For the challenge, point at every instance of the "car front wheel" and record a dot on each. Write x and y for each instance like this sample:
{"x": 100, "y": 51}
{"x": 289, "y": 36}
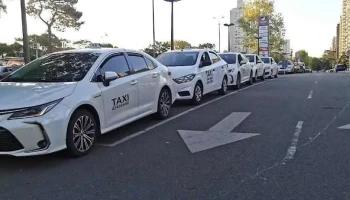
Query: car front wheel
{"x": 197, "y": 94}
{"x": 81, "y": 133}
{"x": 164, "y": 104}
{"x": 224, "y": 86}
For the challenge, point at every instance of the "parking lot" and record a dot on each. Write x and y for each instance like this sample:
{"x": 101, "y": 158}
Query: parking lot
{"x": 285, "y": 144}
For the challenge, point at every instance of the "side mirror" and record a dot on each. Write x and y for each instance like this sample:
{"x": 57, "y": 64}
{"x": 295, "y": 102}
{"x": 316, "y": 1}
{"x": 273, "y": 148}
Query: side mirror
{"x": 205, "y": 63}
{"x": 258, "y": 61}
{"x": 108, "y": 77}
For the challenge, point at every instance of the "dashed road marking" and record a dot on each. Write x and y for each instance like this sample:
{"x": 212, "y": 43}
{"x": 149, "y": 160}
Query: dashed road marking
{"x": 293, "y": 147}
{"x": 310, "y": 95}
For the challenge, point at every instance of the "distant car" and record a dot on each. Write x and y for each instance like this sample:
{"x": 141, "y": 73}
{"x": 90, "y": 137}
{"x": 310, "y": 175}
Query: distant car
{"x": 239, "y": 69}
{"x": 269, "y": 61}
{"x": 332, "y": 70}
{"x": 307, "y": 70}
{"x": 65, "y": 100}
{"x": 258, "y": 66}
{"x": 289, "y": 68}
{"x": 340, "y": 67}
{"x": 195, "y": 72}
{"x": 5, "y": 71}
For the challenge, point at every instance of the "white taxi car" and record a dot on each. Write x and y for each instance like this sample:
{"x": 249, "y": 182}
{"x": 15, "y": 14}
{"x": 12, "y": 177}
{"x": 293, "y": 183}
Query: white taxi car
{"x": 258, "y": 67}
{"x": 270, "y": 62}
{"x": 239, "y": 69}
{"x": 65, "y": 100}
{"x": 195, "y": 72}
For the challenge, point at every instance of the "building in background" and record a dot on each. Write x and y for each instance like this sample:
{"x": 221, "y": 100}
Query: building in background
{"x": 236, "y": 32}
{"x": 334, "y": 44}
{"x": 286, "y": 48}
{"x": 337, "y": 42}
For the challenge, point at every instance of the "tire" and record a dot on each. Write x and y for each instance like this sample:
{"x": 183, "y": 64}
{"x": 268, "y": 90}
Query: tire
{"x": 164, "y": 104}
{"x": 262, "y": 78}
{"x": 224, "y": 86}
{"x": 238, "y": 82}
{"x": 271, "y": 76}
{"x": 197, "y": 94}
{"x": 276, "y": 75}
{"x": 255, "y": 79}
{"x": 80, "y": 137}
{"x": 250, "y": 82}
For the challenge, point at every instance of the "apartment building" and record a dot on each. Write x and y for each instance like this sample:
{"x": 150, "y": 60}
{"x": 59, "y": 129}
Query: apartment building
{"x": 236, "y": 33}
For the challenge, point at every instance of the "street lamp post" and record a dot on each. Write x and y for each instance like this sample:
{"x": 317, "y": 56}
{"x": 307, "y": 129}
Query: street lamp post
{"x": 229, "y": 35}
{"x": 258, "y": 38}
{"x": 172, "y": 22}
{"x": 154, "y": 31}
{"x": 219, "y": 22}
{"x": 25, "y": 33}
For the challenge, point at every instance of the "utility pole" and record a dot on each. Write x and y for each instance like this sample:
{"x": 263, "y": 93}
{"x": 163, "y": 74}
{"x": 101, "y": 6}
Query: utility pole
{"x": 25, "y": 33}
{"x": 154, "y": 32}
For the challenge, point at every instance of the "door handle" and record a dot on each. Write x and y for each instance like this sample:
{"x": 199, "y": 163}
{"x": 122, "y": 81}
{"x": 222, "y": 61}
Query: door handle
{"x": 213, "y": 69}
{"x": 134, "y": 82}
{"x": 155, "y": 74}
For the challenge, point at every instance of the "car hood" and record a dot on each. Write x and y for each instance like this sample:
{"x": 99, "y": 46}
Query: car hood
{"x": 180, "y": 71}
{"x": 19, "y": 95}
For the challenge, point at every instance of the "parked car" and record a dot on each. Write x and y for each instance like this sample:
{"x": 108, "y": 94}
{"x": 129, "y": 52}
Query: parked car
{"x": 239, "y": 69}
{"x": 196, "y": 72}
{"x": 269, "y": 61}
{"x": 308, "y": 70}
{"x": 340, "y": 67}
{"x": 5, "y": 71}
{"x": 287, "y": 68}
{"x": 66, "y": 99}
{"x": 258, "y": 66}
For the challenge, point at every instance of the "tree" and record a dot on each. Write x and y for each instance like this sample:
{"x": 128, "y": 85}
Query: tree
{"x": 316, "y": 64}
{"x": 43, "y": 40}
{"x": 249, "y": 23}
{"x": 180, "y": 44}
{"x": 343, "y": 60}
{"x": 82, "y": 43}
{"x": 2, "y": 7}
{"x": 206, "y": 45}
{"x": 304, "y": 57}
{"x": 63, "y": 14}
{"x": 160, "y": 48}
{"x": 107, "y": 45}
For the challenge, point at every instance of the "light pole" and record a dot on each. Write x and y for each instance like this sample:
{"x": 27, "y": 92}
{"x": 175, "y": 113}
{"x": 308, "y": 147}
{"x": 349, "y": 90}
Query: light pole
{"x": 219, "y": 22}
{"x": 154, "y": 31}
{"x": 229, "y": 35}
{"x": 25, "y": 33}
{"x": 172, "y": 22}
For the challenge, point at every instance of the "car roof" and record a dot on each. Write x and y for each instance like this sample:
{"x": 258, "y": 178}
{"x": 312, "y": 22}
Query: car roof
{"x": 250, "y": 54}
{"x": 94, "y": 50}
{"x": 229, "y": 53}
{"x": 189, "y": 50}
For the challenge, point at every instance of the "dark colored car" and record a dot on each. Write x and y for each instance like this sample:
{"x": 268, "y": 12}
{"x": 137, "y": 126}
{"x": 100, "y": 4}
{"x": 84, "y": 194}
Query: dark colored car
{"x": 340, "y": 68}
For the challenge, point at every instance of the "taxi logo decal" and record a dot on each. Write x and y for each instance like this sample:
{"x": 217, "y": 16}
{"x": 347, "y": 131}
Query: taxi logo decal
{"x": 120, "y": 101}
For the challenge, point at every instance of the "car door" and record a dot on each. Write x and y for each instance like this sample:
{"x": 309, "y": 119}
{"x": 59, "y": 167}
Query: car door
{"x": 260, "y": 65}
{"x": 207, "y": 73}
{"x": 121, "y": 96}
{"x": 241, "y": 67}
{"x": 218, "y": 68}
{"x": 147, "y": 79}
{"x": 273, "y": 65}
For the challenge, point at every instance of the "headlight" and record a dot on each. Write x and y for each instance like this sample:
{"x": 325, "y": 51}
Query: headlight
{"x": 185, "y": 79}
{"x": 34, "y": 111}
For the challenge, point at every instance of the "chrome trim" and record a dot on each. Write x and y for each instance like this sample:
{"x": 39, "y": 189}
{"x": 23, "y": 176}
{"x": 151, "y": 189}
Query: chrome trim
{"x": 4, "y": 112}
{"x": 46, "y": 137}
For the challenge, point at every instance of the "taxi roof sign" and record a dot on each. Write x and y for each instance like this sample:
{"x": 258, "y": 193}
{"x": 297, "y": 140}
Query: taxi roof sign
{"x": 94, "y": 46}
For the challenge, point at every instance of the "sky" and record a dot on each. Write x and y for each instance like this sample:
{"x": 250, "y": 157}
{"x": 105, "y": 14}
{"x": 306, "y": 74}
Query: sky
{"x": 310, "y": 24}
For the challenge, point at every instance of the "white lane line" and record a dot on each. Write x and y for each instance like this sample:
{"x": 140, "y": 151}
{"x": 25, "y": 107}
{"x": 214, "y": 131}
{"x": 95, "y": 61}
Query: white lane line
{"x": 174, "y": 117}
{"x": 293, "y": 147}
{"x": 310, "y": 95}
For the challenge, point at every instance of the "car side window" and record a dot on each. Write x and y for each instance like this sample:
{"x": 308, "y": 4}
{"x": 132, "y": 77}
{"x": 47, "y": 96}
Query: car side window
{"x": 5, "y": 70}
{"x": 215, "y": 58}
{"x": 257, "y": 59}
{"x": 240, "y": 58}
{"x": 205, "y": 56}
{"x": 137, "y": 62}
{"x": 116, "y": 64}
{"x": 150, "y": 63}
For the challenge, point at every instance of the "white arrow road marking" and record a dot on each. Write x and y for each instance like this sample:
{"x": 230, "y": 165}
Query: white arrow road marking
{"x": 345, "y": 127}
{"x": 218, "y": 135}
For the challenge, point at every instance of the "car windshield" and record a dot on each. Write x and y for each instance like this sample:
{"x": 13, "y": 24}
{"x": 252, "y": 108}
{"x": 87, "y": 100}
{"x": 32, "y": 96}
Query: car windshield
{"x": 340, "y": 66}
{"x": 229, "y": 58}
{"x": 266, "y": 60}
{"x": 60, "y": 67}
{"x": 251, "y": 58}
{"x": 172, "y": 59}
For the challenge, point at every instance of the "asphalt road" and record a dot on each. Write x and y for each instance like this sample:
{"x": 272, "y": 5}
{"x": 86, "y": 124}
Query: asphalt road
{"x": 299, "y": 152}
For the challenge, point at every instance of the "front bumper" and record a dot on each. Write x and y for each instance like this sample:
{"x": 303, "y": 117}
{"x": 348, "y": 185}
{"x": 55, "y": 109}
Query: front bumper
{"x": 281, "y": 71}
{"x": 34, "y": 136}
{"x": 232, "y": 77}
{"x": 184, "y": 91}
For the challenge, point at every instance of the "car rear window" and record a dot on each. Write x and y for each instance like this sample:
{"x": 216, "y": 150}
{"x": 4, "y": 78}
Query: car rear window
{"x": 229, "y": 58}
{"x": 173, "y": 59}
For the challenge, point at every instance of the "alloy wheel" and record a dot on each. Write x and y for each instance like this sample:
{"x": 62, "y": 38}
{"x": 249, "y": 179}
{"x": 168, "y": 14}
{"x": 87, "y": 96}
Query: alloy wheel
{"x": 165, "y": 103}
{"x": 84, "y": 133}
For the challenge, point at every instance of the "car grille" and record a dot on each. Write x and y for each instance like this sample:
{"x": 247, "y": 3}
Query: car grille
{"x": 8, "y": 142}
